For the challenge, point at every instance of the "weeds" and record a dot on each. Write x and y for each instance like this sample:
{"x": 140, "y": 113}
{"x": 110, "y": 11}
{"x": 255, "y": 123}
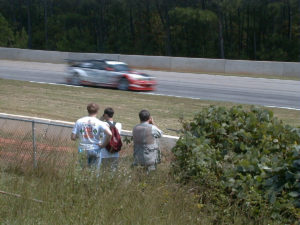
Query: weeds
{"x": 80, "y": 196}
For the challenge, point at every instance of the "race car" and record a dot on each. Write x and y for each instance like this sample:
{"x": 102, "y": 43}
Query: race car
{"x": 108, "y": 73}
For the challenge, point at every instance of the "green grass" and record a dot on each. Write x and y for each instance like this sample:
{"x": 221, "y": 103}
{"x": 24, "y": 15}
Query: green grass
{"x": 71, "y": 195}
{"x": 69, "y": 103}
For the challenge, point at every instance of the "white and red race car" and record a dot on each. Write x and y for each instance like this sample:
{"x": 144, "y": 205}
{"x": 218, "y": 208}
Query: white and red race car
{"x": 108, "y": 73}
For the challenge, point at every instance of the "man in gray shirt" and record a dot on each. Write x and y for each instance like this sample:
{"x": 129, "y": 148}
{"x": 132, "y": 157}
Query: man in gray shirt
{"x": 145, "y": 140}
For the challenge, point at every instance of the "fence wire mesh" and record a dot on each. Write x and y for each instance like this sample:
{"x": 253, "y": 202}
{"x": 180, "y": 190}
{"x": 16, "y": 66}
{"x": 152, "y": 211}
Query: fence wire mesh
{"x": 28, "y": 142}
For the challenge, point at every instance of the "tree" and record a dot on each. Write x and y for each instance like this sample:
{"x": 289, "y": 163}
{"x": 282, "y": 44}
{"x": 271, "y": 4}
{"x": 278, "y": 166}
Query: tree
{"x": 163, "y": 7}
{"x": 29, "y": 28}
{"x": 233, "y": 29}
{"x": 194, "y": 31}
{"x": 6, "y": 33}
{"x": 46, "y": 23}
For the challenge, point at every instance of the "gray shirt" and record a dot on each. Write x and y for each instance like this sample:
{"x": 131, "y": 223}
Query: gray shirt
{"x": 146, "y": 145}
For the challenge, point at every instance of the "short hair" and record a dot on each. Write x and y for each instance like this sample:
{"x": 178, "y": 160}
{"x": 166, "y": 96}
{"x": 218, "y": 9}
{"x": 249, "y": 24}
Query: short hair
{"x": 109, "y": 112}
{"x": 92, "y": 108}
{"x": 144, "y": 115}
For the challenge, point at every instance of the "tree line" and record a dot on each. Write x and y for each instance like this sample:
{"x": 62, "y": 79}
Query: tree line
{"x": 232, "y": 29}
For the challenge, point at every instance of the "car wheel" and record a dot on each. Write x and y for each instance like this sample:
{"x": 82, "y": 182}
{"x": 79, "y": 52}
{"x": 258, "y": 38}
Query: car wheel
{"x": 123, "y": 84}
{"x": 75, "y": 79}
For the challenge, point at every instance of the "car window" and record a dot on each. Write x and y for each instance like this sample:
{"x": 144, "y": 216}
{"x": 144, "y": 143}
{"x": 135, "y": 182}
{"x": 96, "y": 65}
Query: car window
{"x": 120, "y": 67}
{"x": 98, "y": 65}
{"x": 86, "y": 65}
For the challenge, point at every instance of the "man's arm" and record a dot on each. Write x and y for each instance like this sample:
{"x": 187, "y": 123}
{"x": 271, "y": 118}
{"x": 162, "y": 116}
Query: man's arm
{"x": 108, "y": 135}
{"x": 73, "y": 137}
{"x": 157, "y": 133}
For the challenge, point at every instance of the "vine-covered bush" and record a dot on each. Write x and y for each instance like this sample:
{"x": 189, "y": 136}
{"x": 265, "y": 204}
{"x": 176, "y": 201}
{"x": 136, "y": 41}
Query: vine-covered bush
{"x": 250, "y": 154}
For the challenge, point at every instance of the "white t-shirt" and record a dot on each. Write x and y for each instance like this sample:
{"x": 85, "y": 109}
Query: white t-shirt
{"x": 104, "y": 152}
{"x": 89, "y": 130}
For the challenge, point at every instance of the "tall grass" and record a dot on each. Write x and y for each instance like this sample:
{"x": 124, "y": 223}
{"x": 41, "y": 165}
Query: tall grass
{"x": 72, "y": 195}
{"x": 81, "y": 196}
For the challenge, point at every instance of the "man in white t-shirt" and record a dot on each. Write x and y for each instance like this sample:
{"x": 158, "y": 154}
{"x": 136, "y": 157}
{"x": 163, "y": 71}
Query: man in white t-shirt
{"x": 108, "y": 159}
{"x": 89, "y": 130}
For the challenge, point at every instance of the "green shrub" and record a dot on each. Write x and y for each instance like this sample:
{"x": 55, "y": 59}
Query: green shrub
{"x": 248, "y": 154}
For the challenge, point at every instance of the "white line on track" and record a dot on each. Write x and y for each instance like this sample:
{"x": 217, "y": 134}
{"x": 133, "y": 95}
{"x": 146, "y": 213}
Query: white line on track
{"x": 67, "y": 85}
{"x": 279, "y": 107}
{"x": 175, "y": 96}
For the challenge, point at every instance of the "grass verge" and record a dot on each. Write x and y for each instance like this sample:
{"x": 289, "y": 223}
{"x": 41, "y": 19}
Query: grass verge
{"x": 129, "y": 196}
{"x": 69, "y": 103}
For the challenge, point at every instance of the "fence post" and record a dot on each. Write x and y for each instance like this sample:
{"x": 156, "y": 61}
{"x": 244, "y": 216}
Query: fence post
{"x": 33, "y": 145}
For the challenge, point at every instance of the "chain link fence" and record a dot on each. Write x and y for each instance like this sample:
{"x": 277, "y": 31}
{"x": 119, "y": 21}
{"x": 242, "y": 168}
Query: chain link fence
{"x": 26, "y": 142}
{"x": 37, "y": 142}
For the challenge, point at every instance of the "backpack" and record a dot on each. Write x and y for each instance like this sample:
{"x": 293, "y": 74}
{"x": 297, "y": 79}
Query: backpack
{"x": 115, "y": 143}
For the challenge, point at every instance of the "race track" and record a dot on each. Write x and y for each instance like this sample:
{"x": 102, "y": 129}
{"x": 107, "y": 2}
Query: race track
{"x": 260, "y": 91}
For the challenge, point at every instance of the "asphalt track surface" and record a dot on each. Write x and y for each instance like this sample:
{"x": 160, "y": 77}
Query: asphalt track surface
{"x": 247, "y": 90}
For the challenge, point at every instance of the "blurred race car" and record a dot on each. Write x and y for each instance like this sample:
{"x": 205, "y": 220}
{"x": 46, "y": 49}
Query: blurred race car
{"x": 108, "y": 73}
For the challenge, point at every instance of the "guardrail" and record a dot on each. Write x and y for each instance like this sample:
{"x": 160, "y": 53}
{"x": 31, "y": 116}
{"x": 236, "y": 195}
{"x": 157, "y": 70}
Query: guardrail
{"x": 179, "y": 64}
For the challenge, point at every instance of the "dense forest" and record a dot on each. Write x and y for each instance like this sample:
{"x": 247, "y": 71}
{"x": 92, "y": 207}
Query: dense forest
{"x": 232, "y": 29}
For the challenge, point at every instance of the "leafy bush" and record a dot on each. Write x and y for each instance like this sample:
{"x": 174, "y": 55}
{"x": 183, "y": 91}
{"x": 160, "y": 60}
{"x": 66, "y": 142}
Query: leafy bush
{"x": 250, "y": 154}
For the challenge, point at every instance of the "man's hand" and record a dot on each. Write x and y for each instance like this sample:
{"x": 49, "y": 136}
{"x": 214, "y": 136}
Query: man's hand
{"x": 103, "y": 145}
{"x": 151, "y": 121}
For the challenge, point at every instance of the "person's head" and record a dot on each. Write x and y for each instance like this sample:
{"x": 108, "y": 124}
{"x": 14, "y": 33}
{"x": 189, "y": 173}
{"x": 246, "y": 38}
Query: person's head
{"x": 144, "y": 115}
{"x": 92, "y": 108}
{"x": 108, "y": 113}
